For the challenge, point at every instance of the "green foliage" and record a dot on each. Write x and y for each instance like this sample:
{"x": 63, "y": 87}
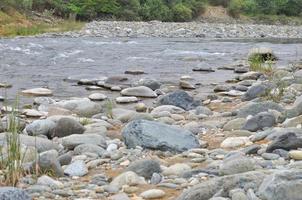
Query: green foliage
{"x": 156, "y": 10}
{"x": 181, "y": 13}
{"x": 224, "y": 3}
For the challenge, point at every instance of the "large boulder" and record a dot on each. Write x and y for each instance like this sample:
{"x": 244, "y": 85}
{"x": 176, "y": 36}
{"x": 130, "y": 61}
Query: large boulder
{"x": 223, "y": 185}
{"x": 180, "y": 99}
{"x": 83, "y": 107}
{"x": 41, "y": 144}
{"x": 40, "y": 127}
{"x": 253, "y": 108}
{"x": 67, "y": 126}
{"x": 282, "y": 185}
{"x": 12, "y": 193}
{"x": 139, "y": 91}
{"x": 287, "y": 141}
{"x": 155, "y": 135}
{"x": 259, "y": 121}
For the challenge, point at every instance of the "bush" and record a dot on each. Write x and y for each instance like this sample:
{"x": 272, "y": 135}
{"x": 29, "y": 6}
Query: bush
{"x": 224, "y": 3}
{"x": 181, "y": 13}
{"x": 156, "y": 10}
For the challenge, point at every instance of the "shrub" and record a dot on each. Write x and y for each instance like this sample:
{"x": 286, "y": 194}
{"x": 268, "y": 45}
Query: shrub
{"x": 156, "y": 10}
{"x": 181, "y": 13}
{"x": 224, "y": 3}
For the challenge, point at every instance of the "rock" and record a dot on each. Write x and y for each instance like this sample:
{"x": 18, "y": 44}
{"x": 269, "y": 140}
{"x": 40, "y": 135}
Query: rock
{"x": 255, "y": 91}
{"x": 47, "y": 181}
{"x": 82, "y": 107}
{"x": 176, "y": 169}
{"x": 296, "y": 108}
{"x": 185, "y": 84}
{"x": 141, "y": 107}
{"x": 207, "y": 189}
{"x": 127, "y": 178}
{"x": 97, "y": 97}
{"x": 155, "y": 179}
{"x": 180, "y": 99}
{"x": 252, "y": 149}
{"x": 40, "y": 127}
{"x": 292, "y": 122}
{"x": 295, "y": 154}
{"x": 284, "y": 184}
{"x": 264, "y": 53}
{"x": 167, "y": 108}
{"x": 150, "y": 83}
{"x": 254, "y": 108}
{"x": 153, "y": 194}
{"x": 12, "y": 193}
{"x": 144, "y": 168}
{"x": 38, "y": 92}
{"x": 203, "y": 110}
{"x": 99, "y": 128}
{"x": 134, "y": 71}
{"x": 287, "y": 141}
{"x": 235, "y": 124}
{"x": 249, "y": 76}
{"x": 139, "y": 91}
{"x": 48, "y": 162}
{"x": 44, "y": 101}
{"x": 70, "y": 142}
{"x": 120, "y": 196}
{"x": 77, "y": 168}
{"x": 236, "y": 164}
{"x": 259, "y": 121}
{"x": 55, "y": 110}
{"x": 232, "y": 93}
{"x": 67, "y": 126}
{"x": 154, "y": 135}
{"x": 123, "y": 115}
{"x": 232, "y": 142}
{"x": 89, "y": 148}
{"x": 33, "y": 113}
{"x": 65, "y": 159}
{"x": 126, "y": 99}
{"x": 270, "y": 156}
{"x": 203, "y": 68}
{"x": 222, "y": 88}
{"x": 40, "y": 144}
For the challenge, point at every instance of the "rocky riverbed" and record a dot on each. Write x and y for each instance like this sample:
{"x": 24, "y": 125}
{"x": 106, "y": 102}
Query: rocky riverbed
{"x": 157, "y": 140}
{"x": 185, "y": 30}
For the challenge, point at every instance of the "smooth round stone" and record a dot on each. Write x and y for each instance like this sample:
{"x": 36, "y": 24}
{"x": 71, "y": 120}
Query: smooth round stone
{"x": 32, "y": 113}
{"x": 140, "y": 107}
{"x": 186, "y": 84}
{"x": 111, "y": 147}
{"x": 153, "y": 194}
{"x": 116, "y": 88}
{"x": 38, "y": 92}
{"x": 126, "y": 99}
{"x": 270, "y": 156}
{"x": 295, "y": 154}
{"x": 97, "y": 97}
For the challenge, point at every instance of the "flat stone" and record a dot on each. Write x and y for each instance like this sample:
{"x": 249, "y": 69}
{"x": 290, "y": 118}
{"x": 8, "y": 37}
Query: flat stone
{"x": 232, "y": 142}
{"x": 97, "y": 97}
{"x": 126, "y": 99}
{"x": 153, "y": 194}
{"x": 38, "y": 92}
{"x": 139, "y": 91}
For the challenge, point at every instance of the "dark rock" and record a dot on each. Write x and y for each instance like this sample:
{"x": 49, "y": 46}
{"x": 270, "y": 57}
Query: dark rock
{"x": 251, "y": 149}
{"x": 65, "y": 159}
{"x": 67, "y": 126}
{"x": 180, "y": 99}
{"x": 287, "y": 141}
{"x": 255, "y": 108}
{"x": 259, "y": 121}
{"x": 155, "y": 135}
{"x": 255, "y": 91}
{"x": 144, "y": 168}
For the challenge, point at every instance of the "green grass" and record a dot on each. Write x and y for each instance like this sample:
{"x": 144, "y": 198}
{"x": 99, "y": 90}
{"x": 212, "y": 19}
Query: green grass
{"x": 257, "y": 64}
{"x": 108, "y": 107}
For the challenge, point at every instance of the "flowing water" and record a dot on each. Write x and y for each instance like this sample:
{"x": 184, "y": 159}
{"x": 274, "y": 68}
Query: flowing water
{"x": 46, "y": 62}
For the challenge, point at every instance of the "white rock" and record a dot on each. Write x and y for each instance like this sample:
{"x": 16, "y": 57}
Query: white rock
{"x": 233, "y": 142}
{"x": 38, "y": 92}
{"x": 153, "y": 194}
{"x": 97, "y": 97}
{"x": 295, "y": 154}
{"x": 140, "y": 91}
{"x": 47, "y": 181}
{"x": 176, "y": 169}
{"x": 126, "y": 99}
{"x": 127, "y": 178}
{"x": 77, "y": 168}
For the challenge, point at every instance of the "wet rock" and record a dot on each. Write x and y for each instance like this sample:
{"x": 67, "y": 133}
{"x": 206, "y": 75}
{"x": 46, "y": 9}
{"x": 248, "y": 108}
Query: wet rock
{"x": 12, "y": 193}
{"x": 259, "y": 121}
{"x": 70, "y": 142}
{"x": 97, "y": 97}
{"x": 153, "y": 194}
{"x": 281, "y": 185}
{"x": 77, "y": 168}
{"x": 38, "y": 92}
{"x": 202, "y": 68}
{"x": 67, "y": 126}
{"x": 287, "y": 141}
{"x": 82, "y": 107}
{"x": 139, "y": 91}
{"x": 40, "y": 127}
{"x": 144, "y": 168}
{"x": 154, "y": 135}
{"x": 255, "y": 108}
{"x": 134, "y": 71}
{"x": 180, "y": 99}
{"x": 127, "y": 178}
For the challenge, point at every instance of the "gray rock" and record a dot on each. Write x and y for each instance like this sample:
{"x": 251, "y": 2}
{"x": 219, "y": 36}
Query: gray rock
{"x": 89, "y": 148}
{"x": 77, "y": 168}
{"x": 41, "y": 127}
{"x": 255, "y": 108}
{"x": 139, "y": 91}
{"x": 255, "y": 91}
{"x": 67, "y": 126}
{"x": 48, "y": 162}
{"x": 286, "y": 141}
{"x": 154, "y": 135}
{"x": 282, "y": 185}
{"x": 259, "y": 121}
{"x": 296, "y": 109}
{"x": 65, "y": 159}
{"x": 127, "y": 178}
{"x": 150, "y": 83}
{"x": 12, "y": 193}
{"x": 41, "y": 144}
{"x": 203, "y": 110}
{"x": 235, "y": 124}
{"x": 236, "y": 164}
{"x": 70, "y": 142}
{"x": 252, "y": 149}
{"x": 180, "y": 99}
{"x": 207, "y": 189}
{"x": 82, "y": 107}
{"x": 202, "y": 68}
{"x": 48, "y": 181}
{"x": 145, "y": 168}
{"x": 270, "y": 156}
